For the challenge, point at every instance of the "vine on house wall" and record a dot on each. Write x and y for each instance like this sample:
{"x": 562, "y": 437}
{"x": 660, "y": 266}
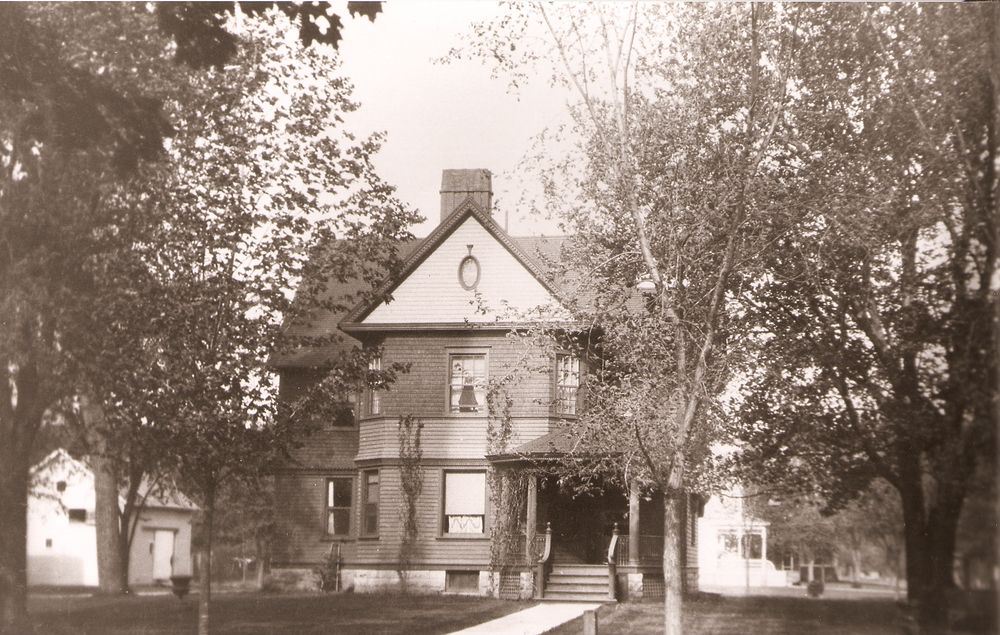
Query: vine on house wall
{"x": 412, "y": 484}
{"x": 507, "y": 487}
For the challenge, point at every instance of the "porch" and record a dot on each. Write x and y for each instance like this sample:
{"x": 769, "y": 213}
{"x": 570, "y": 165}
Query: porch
{"x": 603, "y": 545}
{"x": 592, "y": 537}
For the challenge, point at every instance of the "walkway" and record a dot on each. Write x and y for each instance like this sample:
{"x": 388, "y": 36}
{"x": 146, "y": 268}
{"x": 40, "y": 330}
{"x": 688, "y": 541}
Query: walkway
{"x": 534, "y": 621}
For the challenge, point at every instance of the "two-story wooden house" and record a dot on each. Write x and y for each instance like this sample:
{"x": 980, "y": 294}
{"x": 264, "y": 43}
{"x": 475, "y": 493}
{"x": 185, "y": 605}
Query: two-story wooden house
{"x": 449, "y": 319}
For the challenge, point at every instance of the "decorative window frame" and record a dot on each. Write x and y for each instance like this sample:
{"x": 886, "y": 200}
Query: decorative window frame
{"x": 443, "y": 518}
{"x": 364, "y": 530}
{"x": 577, "y": 399}
{"x": 463, "y": 350}
{"x": 479, "y": 272}
{"x": 328, "y": 507}
{"x": 373, "y": 400}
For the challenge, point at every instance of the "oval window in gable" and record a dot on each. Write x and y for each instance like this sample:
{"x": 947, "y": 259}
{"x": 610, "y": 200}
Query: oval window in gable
{"x": 468, "y": 272}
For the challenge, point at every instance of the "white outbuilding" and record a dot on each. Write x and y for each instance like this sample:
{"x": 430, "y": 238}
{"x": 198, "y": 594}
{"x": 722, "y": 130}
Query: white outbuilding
{"x": 62, "y": 535}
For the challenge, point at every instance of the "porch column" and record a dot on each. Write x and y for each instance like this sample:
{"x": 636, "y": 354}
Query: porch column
{"x": 532, "y": 515}
{"x": 633, "y": 523}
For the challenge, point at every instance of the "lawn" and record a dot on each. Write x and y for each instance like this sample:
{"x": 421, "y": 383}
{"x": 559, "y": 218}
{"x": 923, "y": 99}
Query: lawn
{"x": 257, "y": 614}
{"x": 260, "y": 614}
{"x": 716, "y": 615}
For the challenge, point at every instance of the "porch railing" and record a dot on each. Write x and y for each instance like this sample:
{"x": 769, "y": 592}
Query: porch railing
{"x": 650, "y": 549}
{"x": 544, "y": 562}
{"x": 613, "y": 547}
{"x": 521, "y": 554}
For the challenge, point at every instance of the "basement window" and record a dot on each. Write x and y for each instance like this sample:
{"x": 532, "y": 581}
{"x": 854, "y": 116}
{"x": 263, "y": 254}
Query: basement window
{"x": 461, "y": 581}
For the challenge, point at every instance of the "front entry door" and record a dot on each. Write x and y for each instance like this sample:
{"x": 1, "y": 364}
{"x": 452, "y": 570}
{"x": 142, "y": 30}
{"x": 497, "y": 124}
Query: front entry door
{"x": 582, "y": 521}
{"x": 163, "y": 554}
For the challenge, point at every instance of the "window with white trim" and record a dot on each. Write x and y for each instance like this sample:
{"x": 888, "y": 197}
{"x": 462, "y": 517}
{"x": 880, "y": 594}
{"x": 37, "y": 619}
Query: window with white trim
{"x": 371, "y": 498}
{"x": 464, "y": 503}
{"x": 567, "y": 384}
{"x": 467, "y": 382}
{"x": 338, "y": 506}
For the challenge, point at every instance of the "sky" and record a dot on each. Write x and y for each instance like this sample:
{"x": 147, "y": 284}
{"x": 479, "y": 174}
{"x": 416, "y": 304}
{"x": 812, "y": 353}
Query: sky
{"x": 442, "y": 116}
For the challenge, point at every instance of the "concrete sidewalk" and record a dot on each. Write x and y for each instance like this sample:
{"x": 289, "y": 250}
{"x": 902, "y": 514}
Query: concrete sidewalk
{"x": 533, "y": 621}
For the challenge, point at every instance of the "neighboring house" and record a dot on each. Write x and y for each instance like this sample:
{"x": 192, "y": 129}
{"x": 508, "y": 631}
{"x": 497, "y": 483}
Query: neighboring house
{"x": 449, "y": 320}
{"x": 733, "y": 546}
{"x": 62, "y": 538}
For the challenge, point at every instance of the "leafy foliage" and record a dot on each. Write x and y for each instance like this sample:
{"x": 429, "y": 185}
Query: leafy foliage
{"x": 158, "y": 289}
{"x": 875, "y": 354}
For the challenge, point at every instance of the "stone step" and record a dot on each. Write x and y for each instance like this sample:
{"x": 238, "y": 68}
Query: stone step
{"x": 567, "y": 587}
{"x": 578, "y": 579}
{"x": 579, "y": 569}
{"x": 575, "y": 597}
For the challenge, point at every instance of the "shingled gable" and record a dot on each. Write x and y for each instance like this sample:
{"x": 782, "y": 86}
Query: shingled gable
{"x": 467, "y": 209}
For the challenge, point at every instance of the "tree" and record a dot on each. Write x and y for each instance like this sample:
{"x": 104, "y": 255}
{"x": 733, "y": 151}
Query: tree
{"x": 683, "y": 128}
{"x": 876, "y": 355}
{"x": 259, "y": 185}
{"x": 80, "y": 115}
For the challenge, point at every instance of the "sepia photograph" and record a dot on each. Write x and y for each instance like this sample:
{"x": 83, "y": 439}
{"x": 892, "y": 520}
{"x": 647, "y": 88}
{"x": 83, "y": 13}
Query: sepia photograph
{"x": 480, "y": 317}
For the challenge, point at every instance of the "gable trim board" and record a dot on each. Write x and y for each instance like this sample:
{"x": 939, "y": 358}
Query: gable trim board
{"x": 354, "y": 320}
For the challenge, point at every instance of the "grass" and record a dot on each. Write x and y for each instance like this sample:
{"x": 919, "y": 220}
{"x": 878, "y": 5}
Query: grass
{"x": 787, "y": 613}
{"x": 706, "y": 614}
{"x": 260, "y": 614}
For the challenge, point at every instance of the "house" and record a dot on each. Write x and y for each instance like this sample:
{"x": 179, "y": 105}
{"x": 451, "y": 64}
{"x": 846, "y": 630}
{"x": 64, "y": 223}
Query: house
{"x": 449, "y": 318}
{"x": 733, "y": 546}
{"x": 62, "y": 536}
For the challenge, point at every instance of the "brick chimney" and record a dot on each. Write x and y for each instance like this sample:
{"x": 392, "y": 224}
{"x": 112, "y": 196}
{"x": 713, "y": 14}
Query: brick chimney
{"x": 457, "y": 185}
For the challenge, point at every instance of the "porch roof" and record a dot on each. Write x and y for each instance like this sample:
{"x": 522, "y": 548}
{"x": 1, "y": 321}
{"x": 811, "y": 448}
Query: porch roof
{"x": 555, "y": 444}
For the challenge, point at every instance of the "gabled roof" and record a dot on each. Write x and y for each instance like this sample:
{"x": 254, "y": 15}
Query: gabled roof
{"x": 168, "y": 499}
{"x": 59, "y": 455}
{"x": 468, "y": 208}
{"x": 539, "y": 255}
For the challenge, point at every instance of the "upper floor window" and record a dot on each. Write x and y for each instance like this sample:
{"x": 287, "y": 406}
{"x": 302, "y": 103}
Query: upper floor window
{"x": 567, "y": 384}
{"x": 467, "y": 382}
{"x": 338, "y": 506}
{"x": 346, "y": 412}
{"x": 374, "y": 396}
{"x": 464, "y": 502}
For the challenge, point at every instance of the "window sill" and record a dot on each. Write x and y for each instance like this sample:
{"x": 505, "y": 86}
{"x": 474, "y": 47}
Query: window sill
{"x": 329, "y": 538}
{"x": 482, "y": 537}
{"x": 371, "y": 538}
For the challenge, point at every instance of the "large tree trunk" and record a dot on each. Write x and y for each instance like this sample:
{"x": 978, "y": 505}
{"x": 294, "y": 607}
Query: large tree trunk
{"x": 13, "y": 542}
{"x": 673, "y": 572}
{"x": 18, "y": 426}
{"x": 205, "y": 574}
{"x": 111, "y": 573}
{"x": 914, "y": 544}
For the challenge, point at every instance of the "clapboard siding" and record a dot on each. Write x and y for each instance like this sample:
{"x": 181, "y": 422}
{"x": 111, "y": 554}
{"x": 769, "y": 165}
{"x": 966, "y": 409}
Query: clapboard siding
{"x": 423, "y": 390}
{"x": 299, "y": 509}
{"x": 432, "y": 549}
{"x": 442, "y": 438}
{"x": 504, "y": 282}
